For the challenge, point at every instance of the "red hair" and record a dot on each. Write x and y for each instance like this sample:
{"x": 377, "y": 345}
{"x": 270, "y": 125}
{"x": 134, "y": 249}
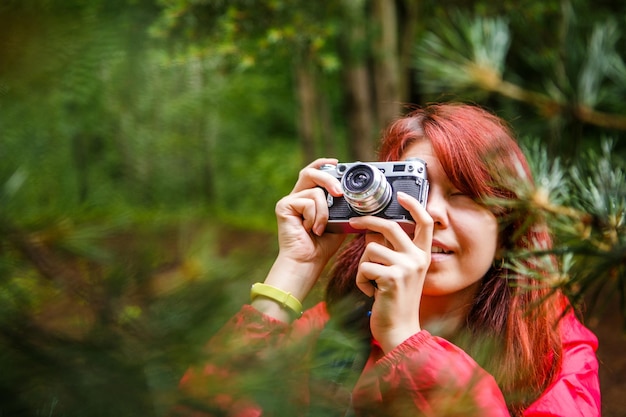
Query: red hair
{"x": 481, "y": 158}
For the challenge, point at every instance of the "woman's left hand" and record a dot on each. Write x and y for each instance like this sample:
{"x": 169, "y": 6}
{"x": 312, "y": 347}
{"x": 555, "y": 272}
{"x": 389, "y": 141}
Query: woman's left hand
{"x": 392, "y": 270}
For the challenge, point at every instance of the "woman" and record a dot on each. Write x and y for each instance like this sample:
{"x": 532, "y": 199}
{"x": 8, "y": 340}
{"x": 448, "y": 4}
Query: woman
{"x": 448, "y": 329}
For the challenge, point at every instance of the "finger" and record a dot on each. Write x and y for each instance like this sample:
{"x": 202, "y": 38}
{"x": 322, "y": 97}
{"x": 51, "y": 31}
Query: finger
{"x": 367, "y": 275}
{"x": 372, "y": 237}
{"x": 305, "y": 208}
{"x": 311, "y": 205}
{"x": 423, "y": 235}
{"x": 311, "y": 176}
{"x": 389, "y": 229}
{"x": 378, "y": 253}
{"x": 321, "y": 211}
{"x": 322, "y": 161}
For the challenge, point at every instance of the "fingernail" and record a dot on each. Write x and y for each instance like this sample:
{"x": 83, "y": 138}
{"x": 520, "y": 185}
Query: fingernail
{"x": 354, "y": 222}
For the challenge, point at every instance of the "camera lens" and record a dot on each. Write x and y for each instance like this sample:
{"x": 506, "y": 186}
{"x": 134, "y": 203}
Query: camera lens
{"x": 359, "y": 179}
{"x": 366, "y": 189}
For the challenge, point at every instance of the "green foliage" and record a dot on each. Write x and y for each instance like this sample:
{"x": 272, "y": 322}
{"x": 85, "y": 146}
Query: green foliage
{"x": 133, "y": 133}
{"x": 599, "y": 264}
{"x": 113, "y": 309}
{"x": 468, "y": 53}
{"x": 247, "y": 34}
{"x": 566, "y": 70}
{"x": 119, "y": 123}
{"x": 585, "y": 207}
{"x": 117, "y": 162}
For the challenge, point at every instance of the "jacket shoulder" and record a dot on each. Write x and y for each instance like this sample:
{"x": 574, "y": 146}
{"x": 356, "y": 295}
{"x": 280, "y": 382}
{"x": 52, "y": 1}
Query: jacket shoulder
{"x": 576, "y": 391}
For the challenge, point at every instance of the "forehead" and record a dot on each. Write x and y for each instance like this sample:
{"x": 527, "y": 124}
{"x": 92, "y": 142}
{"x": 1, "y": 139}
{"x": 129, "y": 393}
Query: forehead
{"x": 423, "y": 149}
{"x": 419, "y": 149}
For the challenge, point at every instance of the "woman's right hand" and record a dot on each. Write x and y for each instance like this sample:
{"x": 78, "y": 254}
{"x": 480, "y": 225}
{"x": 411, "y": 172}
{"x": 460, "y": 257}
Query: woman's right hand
{"x": 303, "y": 214}
{"x": 304, "y": 248}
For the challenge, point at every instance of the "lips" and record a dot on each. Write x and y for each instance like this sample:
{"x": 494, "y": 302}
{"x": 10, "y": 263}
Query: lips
{"x": 439, "y": 248}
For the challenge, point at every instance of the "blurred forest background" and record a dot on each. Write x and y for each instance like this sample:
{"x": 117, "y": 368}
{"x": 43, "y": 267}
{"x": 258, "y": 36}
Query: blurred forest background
{"x": 144, "y": 143}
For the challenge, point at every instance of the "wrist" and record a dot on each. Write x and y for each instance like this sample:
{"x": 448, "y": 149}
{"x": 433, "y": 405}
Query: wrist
{"x": 274, "y": 302}
{"x": 294, "y": 277}
{"x": 393, "y": 339}
{"x": 272, "y": 309}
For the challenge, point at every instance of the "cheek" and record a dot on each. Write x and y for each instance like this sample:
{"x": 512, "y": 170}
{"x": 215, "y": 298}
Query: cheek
{"x": 480, "y": 235}
{"x": 476, "y": 234}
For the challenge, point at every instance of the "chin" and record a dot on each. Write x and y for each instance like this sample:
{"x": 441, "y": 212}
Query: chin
{"x": 436, "y": 288}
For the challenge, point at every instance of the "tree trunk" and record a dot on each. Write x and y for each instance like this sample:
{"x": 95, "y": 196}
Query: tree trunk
{"x": 306, "y": 94}
{"x": 329, "y": 140}
{"x": 408, "y": 22}
{"x": 385, "y": 51}
{"x": 359, "y": 111}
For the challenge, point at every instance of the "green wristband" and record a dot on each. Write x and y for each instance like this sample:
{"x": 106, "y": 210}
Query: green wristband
{"x": 284, "y": 298}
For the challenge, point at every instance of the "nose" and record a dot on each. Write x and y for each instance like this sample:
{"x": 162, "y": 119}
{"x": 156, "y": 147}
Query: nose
{"x": 437, "y": 207}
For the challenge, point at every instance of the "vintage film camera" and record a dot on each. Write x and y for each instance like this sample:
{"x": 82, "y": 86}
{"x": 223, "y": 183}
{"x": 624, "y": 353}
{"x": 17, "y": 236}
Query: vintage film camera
{"x": 370, "y": 188}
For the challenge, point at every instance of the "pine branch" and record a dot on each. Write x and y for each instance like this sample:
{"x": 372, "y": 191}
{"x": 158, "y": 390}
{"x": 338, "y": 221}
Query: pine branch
{"x": 585, "y": 209}
{"x": 487, "y": 79}
{"x": 471, "y": 55}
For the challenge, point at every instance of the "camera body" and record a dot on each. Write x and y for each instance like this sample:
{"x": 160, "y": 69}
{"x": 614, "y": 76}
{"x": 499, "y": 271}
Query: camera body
{"x": 370, "y": 188}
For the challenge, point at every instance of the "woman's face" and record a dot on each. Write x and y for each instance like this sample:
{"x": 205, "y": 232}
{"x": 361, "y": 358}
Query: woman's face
{"x": 465, "y": 235}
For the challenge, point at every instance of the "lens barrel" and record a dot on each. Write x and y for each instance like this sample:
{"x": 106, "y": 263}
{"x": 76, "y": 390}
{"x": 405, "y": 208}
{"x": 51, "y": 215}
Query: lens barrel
{"x": 366, "y": 189}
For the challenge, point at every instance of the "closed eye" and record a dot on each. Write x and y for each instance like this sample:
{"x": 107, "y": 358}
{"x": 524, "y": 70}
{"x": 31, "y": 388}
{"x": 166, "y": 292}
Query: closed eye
{"x": 458, "y": 197}
{"x": 458, "y": 193}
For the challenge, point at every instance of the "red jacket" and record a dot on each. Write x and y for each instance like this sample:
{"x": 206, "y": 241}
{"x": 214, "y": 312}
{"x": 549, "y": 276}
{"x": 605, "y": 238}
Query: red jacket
{"x": 425, "y": 375}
